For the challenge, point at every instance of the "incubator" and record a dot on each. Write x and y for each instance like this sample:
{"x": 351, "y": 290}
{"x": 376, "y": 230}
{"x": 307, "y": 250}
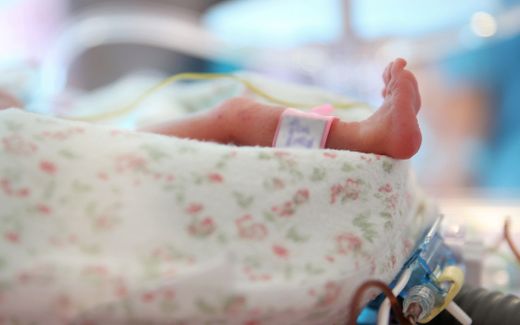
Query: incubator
{"x": 107, "y": 246}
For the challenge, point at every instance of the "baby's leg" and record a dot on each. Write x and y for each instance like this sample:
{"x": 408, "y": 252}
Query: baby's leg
{"x": 392, "y": 130}
{"x": 7, "y": 101}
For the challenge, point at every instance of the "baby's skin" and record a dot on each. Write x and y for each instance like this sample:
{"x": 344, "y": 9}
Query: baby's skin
{"x": 392, "y": 130}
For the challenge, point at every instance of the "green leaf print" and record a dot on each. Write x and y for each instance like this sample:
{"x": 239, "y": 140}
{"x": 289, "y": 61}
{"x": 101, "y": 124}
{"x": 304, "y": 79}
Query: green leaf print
{"x": 243, "y": 201}
{"x": 3, "y": 264}
{"x": 204, "y": 307}
{"x": 168, "y": 306}
{"x": 12, "y": 126}
{"x": 269, "y": 216}
{"x": 186, "y": 150}
{"x": 49, "y": 190}
{"x": 318, "y": 174}
{"x": 292, "y": 234}
{"x": 90, "y": 209}
{"x": 264, "y": 156}
{"x": 252, "y": 261}
{"x": 80, "y": 187}
{"x": 313, "y": 270}
{"x": 347, "y": 167}
{"x": 222, "y": 238}
{"x": 288, "y": 272}
{"x": 68, "y": 154}
{"x": 90, "y": 249}
{"x": 154, "y": 153}
{"x": 389, "y": 224}
{"x": 388, "y": 166}
{"x": 367, "y": 228}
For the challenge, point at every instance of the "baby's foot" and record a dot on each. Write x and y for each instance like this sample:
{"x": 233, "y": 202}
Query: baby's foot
{"x": 7, "y": 101}
{"x": 392, "y": 130}
{"x": 395, "y": 125}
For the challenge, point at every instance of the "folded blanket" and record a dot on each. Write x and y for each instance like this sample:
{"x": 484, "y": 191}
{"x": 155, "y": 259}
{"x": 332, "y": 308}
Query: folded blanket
{"x": 111, "y": 226}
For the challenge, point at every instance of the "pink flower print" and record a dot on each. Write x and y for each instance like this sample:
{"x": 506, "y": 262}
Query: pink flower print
{"x": 159, "y": 253}
{"x": 202, "y": 228}
{"x": 119, "y": 287}
{"x": 12, "y": 237}
{"x": 281, "y": 154}
{"x": 387, "y": 188}
{"x": 301, "y": 196}
{"x": 350, "y": 190}
{"x": 72, "y": 238}
{"x": 285, "y": 210}
{"x": 6, "y": 186}
{"x": 249, "y": 230}
{"x": 24, "y": 278}
{"x": 23, "y": 192}
{"x": 335, "y": 190}
{"x": 393, "y": 261}
{"x": 100, "y": 270}
{"x": 48, "y": 167}
{"x": 63, "y": 302}
{"x": 121, "y": 291}
{"x": 148, "y": 297}
{"x": 252, "y": 322}
{"x": 408, "y": 245}
{"x": 168, "y": 294}
{"x": 115, "y": 133}
{"x": 44, "y": 209}
{"x": 347, "y": 243}
{"x": 215, "y": 178}
{"x": 366, "y": 158}
{"x": 373, "y": 266}
{"x": 103, "y": 176}
{"x": 104, "y": 222}
{"x": 55, "y": 241}
{"x": 194, "y": 208}
{"x": 274, "y": 183}
{"x": 130, "y": 161}
{"x": 332, "y": 291}
{"x": 62, "y": 134}
{"x": 280, "y": 251}
{"x": 17, "y": 145}
{"x": 330, "y": 155}
{"x": 253, "y": 277}
{"x": 278, "y": 183}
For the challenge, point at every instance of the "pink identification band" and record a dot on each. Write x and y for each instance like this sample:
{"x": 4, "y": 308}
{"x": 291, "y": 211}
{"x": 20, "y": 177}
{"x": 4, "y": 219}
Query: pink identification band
{"x": 298, "y": 129}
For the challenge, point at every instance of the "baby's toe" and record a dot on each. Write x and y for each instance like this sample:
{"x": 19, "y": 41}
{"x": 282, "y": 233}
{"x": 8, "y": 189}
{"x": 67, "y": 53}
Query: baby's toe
{"x": 397, "y": 67}
{"x": 386, "y": 73}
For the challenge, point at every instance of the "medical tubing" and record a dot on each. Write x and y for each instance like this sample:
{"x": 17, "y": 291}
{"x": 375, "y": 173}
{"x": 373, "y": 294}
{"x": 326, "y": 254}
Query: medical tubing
{"x": 132, "y": 106}
{"x": 484, "y": 307}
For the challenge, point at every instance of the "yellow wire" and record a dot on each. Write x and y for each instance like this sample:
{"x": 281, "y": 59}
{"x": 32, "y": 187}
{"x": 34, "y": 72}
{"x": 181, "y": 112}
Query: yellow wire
{"x": 205, "y": 76}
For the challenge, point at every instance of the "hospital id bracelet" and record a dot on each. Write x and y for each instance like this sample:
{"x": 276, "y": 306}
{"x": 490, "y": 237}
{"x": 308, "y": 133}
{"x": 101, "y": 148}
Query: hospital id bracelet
{"x": 299, "y": 129}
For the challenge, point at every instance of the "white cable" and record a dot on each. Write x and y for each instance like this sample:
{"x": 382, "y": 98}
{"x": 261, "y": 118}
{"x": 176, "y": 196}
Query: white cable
{"x": 383, "y": 316}
{"x": 458, "y": 313}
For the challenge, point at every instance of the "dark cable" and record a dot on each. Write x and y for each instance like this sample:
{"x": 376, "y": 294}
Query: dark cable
{"x": 484, "y": 307}
{"x": 358, "y": 298}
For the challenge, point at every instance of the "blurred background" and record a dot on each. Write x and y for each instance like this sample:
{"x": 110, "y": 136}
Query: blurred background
{"x": 466, "y": 55}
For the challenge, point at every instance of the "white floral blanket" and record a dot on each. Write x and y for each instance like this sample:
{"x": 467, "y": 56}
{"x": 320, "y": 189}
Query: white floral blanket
{"x": 103, "y": 226}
